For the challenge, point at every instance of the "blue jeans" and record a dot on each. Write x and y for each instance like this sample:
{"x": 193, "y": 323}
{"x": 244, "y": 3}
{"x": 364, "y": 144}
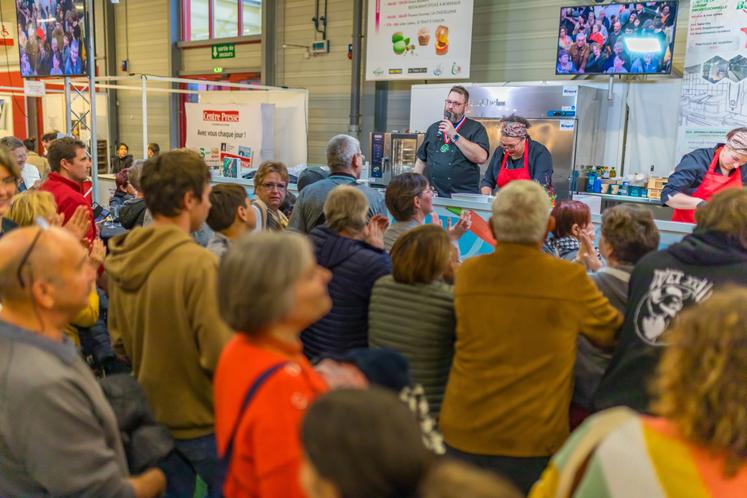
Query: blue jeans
{"x": 202, "y": 453}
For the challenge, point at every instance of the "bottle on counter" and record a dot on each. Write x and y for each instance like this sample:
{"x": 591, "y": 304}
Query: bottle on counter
{"x": 613, "y": 173}
{"x": 606, "y": 174}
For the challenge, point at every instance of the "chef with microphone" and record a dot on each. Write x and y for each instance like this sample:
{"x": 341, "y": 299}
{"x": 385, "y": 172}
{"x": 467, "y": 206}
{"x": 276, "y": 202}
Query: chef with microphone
{"x": 453, "y": 149}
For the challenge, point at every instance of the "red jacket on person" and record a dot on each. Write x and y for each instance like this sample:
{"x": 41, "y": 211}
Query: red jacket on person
{"x": 68, "y": 195}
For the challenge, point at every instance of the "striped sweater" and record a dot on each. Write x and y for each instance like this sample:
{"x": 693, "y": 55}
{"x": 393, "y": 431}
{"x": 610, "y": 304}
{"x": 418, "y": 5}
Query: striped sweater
{"x": 635, "y": 456}
{"x": 417, "y": 321}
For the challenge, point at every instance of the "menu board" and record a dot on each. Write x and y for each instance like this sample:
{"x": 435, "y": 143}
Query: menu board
{"x": 714, "y": 83}
{"x": 418, "y": 39}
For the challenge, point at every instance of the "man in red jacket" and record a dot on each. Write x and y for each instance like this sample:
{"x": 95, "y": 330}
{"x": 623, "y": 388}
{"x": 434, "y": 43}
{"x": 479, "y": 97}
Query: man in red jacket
{"x": 70, "y": 166}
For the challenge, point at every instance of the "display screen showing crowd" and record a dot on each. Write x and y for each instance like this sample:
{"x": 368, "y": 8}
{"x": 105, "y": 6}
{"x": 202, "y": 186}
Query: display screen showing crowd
{"x": 52, "y": 37}
{"x": 618, "y": 38}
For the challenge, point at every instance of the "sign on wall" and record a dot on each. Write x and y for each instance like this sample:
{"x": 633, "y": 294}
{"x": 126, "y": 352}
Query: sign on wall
{"x": 714, "y": 84}
{"x": 228, "y": 137}
{"x": 418, "y": 39}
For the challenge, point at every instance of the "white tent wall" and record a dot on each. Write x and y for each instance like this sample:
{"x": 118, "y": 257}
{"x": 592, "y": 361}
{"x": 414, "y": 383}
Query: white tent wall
{"x": 53, "y": 105}
{"x": 652, "y": 127}
{"x": 290, "y": 136}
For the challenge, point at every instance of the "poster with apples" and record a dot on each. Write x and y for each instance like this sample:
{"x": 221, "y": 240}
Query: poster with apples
{"x": 418, "y": 39}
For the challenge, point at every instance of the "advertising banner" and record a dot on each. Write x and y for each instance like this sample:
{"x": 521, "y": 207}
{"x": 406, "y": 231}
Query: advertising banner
{"x": 227, "y": 136}
{"x": 418, "y": 39}
{"x": 714, "y": 86}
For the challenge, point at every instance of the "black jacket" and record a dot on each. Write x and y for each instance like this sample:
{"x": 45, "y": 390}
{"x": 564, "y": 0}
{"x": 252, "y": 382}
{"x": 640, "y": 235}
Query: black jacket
{"x": 132, "y": 213}
{"x": 145, "y": 441}
{"x": 689, "y": 173}
{"x": 120, "y": 163}
{"x": 662, "y": 284}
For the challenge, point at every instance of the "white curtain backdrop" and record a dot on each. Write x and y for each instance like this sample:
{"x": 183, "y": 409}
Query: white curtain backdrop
{"x": 652, "y": 127}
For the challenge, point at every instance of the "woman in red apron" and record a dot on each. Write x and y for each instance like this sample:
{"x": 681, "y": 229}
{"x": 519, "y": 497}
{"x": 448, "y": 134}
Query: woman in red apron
{"x": 517, "y": 157}
{"x": 705, "y": 172}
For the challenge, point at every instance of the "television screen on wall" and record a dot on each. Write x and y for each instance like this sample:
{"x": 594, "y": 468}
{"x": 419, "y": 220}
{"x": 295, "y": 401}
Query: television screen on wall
{"x": 617, "y": 38}
{"x": 52, "y": 37}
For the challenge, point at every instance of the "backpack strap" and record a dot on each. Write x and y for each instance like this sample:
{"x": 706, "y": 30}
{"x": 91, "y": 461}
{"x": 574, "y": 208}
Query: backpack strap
{"x": 250, "y": 394}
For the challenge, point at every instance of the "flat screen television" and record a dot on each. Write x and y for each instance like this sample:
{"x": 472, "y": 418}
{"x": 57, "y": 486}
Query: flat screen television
{"x": 52, "y": 37}
{"x": 617, "y": 38}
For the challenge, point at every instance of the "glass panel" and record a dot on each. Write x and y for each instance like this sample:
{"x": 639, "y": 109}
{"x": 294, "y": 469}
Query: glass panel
{"x": 252, "y": 17}
{"x": 199, "y": 20}
{"x": 226, "y": 19}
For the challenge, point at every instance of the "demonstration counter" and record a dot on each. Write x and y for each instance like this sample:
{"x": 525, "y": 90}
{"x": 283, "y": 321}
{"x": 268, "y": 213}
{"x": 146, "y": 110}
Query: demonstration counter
{"x": 476, "y": 241}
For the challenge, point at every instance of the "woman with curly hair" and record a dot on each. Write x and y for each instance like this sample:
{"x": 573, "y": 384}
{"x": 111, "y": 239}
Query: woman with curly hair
{"x": 696, "y": 444}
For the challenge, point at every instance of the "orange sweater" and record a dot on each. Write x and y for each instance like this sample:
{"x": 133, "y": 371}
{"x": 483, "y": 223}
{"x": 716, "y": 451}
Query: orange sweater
{"x": 267, "y": 448}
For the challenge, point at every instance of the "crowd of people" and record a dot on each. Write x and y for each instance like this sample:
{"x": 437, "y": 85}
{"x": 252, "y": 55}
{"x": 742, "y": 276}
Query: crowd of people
{"x": 51, "y": 37}
{"x": 593, "y": 39}
{"x": 310, "y": 348}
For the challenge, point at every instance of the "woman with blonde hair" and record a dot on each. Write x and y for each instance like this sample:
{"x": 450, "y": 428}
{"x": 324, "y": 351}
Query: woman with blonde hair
{"x": 30, "y": 206}
{"x": 696, "y": 442}
{"x": 270, "y": 190}
{"x": 10, "y": 175}
{"x": 423, "y": 263}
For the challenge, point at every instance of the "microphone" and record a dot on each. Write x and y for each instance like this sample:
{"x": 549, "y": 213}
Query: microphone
{"x": 448, "y": 115}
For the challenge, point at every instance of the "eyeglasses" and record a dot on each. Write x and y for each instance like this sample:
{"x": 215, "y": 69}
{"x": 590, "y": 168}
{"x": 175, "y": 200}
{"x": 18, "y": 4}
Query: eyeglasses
{"x": 43, "y": 225}
{"x": 511, "y": 146}
{"x": 273, "y": 186}
{"x": 430, "y": 189}
{"x": 453, "y": 103}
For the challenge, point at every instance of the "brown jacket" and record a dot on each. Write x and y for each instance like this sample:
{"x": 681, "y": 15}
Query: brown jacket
{"x": 519, "y": 312}
{"x": 163, "y": 315}
{"x": 579, "y": 56}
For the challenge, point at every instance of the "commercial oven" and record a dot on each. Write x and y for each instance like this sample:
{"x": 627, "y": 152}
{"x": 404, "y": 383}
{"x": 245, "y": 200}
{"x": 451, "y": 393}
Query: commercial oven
{"x": 392, "y": 154}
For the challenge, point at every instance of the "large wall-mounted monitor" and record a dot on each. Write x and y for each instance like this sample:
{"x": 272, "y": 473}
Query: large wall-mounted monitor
{"x": 52, "y": 37}
{"x": 617, "y": 38}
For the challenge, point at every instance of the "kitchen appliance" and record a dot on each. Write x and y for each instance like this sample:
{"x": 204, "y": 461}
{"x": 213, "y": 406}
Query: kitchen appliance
{"x": 392, "y": 154}
{"x": 569, "y": 120}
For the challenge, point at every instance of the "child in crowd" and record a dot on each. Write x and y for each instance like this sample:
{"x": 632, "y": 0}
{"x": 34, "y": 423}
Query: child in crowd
{"x": 231, "y": 215}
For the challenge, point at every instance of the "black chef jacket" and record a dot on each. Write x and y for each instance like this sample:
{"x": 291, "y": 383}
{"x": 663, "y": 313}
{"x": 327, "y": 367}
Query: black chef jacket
{"x": 447, "y": 168}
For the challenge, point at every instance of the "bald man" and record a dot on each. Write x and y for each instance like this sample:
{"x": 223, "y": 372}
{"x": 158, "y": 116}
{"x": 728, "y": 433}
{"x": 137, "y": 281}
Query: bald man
{"x": 58, "y": 434}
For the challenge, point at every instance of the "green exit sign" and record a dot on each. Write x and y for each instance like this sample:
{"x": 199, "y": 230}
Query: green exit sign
{"x": 224, "y": 51}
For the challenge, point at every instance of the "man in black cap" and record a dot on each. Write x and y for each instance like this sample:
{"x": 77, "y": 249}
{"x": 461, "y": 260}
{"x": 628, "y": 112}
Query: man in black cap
{"x": 454, "y": 148}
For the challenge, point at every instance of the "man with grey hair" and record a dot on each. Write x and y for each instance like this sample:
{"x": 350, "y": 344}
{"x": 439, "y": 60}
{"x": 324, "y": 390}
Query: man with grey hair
{"x": 520, "y": 313}
{"x": 30, "y": 174}
{"x": 345, "y": 160}
{"x": 58, "y": 434}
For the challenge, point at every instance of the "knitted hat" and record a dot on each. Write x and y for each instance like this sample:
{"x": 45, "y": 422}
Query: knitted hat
{"x": 310, "y": 175}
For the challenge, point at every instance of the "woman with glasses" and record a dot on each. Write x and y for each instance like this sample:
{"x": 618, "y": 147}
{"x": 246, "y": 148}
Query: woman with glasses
{"x": 9, "y": 178}
{"x": 703, "y": 173}
{"x": 270, "y": 189}
{"x": 409, "y": 199}
{"x": 518, "y": 157}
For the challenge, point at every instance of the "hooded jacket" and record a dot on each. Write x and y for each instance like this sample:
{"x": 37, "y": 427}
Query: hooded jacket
{"x": 355, "y": 267}
{"x": 163, "y": 316}
{"x": 662, "y": 284}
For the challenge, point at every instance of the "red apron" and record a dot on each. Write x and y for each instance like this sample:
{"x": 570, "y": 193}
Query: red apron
{"x": 712, "y": 184}
{"x": 506, "y": 176}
